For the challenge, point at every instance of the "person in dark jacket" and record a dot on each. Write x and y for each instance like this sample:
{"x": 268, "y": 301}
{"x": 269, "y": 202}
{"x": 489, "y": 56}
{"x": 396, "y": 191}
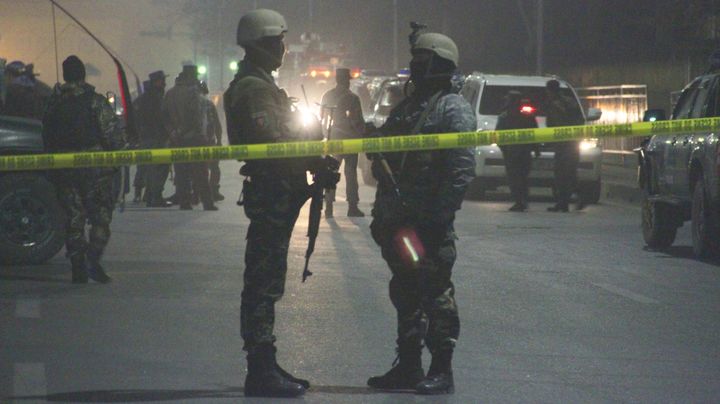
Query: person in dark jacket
{"x": 79, "y": 119}
{"x": 153, "y": 135}
{"x": 213, "y": 137}
{"x": 342, "y": 114}
{"x": 415, "y": 231}
{"x": 518, "y": 114}
{"x": 562, "y": 110}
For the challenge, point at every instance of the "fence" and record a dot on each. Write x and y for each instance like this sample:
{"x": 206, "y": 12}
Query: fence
{"x": 619, "y": 104}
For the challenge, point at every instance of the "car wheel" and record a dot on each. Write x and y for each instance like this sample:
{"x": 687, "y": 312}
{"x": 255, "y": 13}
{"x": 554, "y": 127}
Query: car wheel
{"x": 590, "y": 192}
{"x": 703, "y": 229}
{"x": 658, "y": 223}
{"x": 32, "y": 224}
{"x": 476, "y": 190}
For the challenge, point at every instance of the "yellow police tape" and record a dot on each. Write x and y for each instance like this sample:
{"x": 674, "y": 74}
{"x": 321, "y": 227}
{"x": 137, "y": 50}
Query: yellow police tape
{"x": 351, "y": 146}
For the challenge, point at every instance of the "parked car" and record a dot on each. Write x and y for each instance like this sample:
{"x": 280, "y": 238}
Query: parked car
{"x": 387, "y": 94}
{"x": 486, "y": 94}
{"x": 32, "y": 224}
{"x": 678, "y": 172}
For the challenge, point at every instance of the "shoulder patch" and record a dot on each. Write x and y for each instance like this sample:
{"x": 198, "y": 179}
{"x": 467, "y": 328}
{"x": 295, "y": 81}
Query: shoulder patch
{"x": 260, "y": 119}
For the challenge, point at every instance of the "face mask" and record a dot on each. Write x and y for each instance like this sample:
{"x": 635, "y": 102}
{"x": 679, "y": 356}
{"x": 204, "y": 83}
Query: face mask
{"x": 274, "y": 48}
{"x": 418, "y": 71}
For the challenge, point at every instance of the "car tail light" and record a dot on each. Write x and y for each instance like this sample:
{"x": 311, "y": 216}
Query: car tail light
{"x": 527, "y": 109}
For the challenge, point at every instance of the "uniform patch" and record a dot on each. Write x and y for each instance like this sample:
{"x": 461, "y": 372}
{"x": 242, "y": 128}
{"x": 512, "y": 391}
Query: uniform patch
{"x": 260, "y": 119}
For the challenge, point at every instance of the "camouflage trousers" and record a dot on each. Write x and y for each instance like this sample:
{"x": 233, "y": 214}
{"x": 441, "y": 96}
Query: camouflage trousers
{"x": 86, "y": 197}
{"x": 423, "y": 295}
{"x": 272, "y": 219}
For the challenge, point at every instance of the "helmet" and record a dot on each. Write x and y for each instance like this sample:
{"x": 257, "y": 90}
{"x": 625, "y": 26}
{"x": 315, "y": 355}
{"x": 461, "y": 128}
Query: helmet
{"x": 258, "y": 24}
{"x": 440, "y": 44}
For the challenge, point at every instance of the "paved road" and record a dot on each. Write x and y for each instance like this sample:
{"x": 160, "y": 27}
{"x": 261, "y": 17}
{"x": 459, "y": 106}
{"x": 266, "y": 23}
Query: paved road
{"x": 554, "y": 308}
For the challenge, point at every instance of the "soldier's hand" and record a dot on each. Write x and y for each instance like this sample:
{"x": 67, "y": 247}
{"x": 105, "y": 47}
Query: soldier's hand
{"x": 326, "y": 174}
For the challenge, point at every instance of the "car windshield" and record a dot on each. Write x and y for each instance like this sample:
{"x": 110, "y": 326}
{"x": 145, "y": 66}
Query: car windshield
{"x": 493, "y": 97}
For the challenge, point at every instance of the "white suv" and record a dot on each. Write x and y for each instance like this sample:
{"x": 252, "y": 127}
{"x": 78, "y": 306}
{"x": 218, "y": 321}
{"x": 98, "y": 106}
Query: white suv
{"x": 486, "y": 94}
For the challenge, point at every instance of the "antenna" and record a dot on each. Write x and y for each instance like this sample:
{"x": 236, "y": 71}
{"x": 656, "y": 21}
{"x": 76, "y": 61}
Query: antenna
{"x": 55, "y": 40}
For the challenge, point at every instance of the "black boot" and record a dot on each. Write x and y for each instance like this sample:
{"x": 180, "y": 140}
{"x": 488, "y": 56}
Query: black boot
{"x": 79, "y": 270}
{"x": 94, "y": 269}
{"x": 354, "y": 211}
{"x": 439, "y": 379}
{"x": 284, "y": 373}
{"x": 406, "y": 372}
{"x": 263, "y": 377}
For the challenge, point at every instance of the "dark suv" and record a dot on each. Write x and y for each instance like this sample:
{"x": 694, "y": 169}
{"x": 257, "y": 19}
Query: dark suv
{"x": 678, "y": 172}
{"x": 32, "y": 224}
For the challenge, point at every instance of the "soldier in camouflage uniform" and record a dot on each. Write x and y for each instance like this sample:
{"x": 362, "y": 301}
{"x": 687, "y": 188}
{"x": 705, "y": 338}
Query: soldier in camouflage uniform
{"x": 258, "y": 111}
{"x": 79, "y": 119}
{"x": 431, "y": 185}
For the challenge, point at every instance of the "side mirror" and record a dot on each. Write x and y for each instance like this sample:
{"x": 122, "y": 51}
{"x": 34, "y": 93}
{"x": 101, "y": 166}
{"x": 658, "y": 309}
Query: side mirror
{"x": 652, "y": 115}
{"x": 593, "y": 114}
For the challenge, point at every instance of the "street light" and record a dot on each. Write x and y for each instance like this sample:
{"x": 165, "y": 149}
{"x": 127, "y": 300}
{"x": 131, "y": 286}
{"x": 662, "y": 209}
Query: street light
{"x": 233, "y": 66}
{"x": 202, "y": 70}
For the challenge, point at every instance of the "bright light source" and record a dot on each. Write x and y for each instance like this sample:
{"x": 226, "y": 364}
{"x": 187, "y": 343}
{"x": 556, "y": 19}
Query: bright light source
{"x": 202, "y": 69}
{"x": 234, "y": 66}
{"x": 652, "y": 119}
{"x": 527, "y": 109}
{"x": 588, "y": 144}
{"x": 307, "y": 118}
{"x": 313, "y": 73}
{"x": 326, "y": 73}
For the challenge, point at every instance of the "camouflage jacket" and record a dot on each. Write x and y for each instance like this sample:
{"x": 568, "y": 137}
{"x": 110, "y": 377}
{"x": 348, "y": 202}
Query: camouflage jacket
{"x": 106, "y": 129}
{"x": 184, "y": 113}
{"x": 213, "y": 128}
{"x": 432, "y": 183}
{"x": 257, "y": 111}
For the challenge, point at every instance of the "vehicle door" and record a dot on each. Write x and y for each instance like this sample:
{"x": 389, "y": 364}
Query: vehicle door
{"x": 390, "y": 95}
{"x": 662, "y": 148}
{"x": 685, "y": 143}
{"x": 705, "y": 143}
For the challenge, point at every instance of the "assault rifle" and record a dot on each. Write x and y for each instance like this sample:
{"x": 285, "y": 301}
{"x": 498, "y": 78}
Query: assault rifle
{"x": 325, "y": 176}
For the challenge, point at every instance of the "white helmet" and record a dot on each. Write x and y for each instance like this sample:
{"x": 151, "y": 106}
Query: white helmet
{"x": 258, "y": 24}
{"x": 441, "y": 44}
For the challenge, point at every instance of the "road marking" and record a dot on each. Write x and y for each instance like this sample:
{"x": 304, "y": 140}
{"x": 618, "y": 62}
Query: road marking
{"x": 29, "y": 380}
{"x": 27, "y": 308}
{"x": 626, "y": 293}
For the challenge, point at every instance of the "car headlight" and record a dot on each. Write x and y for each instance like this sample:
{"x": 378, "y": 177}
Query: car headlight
{"x": 588, "y": 144}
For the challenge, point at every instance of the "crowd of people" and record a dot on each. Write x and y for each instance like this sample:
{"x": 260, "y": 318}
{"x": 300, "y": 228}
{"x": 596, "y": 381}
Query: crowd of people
{"x": 418, "y": 193}
{"x": 187, "y": 118}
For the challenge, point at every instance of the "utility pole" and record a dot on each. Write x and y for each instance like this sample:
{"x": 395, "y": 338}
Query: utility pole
{"x": 310, "y": 15}
{"x": 221, "y": 46}
{"x": 539, "y": 38}
{"x": 395, "y": 37}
